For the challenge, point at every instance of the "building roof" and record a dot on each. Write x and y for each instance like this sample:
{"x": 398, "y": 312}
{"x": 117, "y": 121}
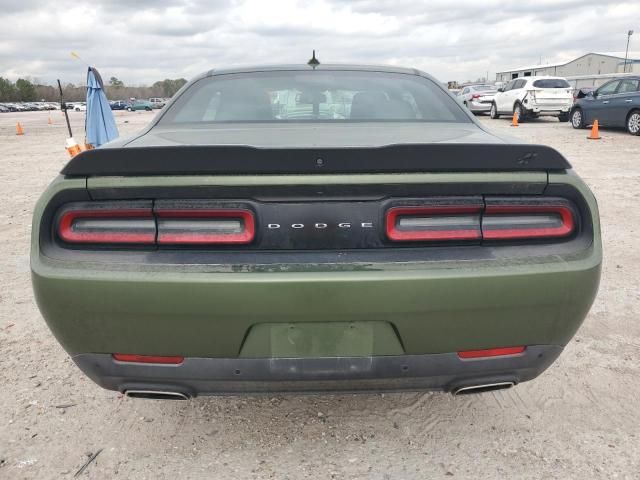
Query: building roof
{"x": 620, "y": 55}
{"x": 534, "y": 67}
{"x": 632, "y": 56}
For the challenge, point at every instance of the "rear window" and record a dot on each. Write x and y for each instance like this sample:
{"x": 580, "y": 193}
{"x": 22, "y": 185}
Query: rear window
{"x": 551, "y": 83}
{"x": 313, "y": 96}
{"x": 483, "y": 88}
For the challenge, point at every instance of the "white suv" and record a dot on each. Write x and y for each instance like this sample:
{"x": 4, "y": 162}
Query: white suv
{"x": 532, "y": 97}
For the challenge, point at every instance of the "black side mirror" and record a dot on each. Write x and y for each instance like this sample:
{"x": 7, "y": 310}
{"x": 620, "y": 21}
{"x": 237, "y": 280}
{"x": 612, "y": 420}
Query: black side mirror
{"x": 501, "y": 89}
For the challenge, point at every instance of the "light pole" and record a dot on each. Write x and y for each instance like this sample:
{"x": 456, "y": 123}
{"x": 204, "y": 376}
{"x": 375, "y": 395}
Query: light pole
{"x": 626, "y": 53}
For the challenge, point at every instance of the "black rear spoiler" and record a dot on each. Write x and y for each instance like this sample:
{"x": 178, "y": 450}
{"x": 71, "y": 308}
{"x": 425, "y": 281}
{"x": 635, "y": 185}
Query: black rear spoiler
{"x": 216, "y": 160}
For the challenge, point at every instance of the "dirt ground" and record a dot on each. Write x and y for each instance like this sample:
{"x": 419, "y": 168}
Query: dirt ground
{"x": 579, "y": 420}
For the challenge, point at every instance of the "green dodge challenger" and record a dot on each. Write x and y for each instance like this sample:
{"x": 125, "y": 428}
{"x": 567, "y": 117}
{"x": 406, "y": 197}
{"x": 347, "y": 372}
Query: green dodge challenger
{"x": 292, "y": 228}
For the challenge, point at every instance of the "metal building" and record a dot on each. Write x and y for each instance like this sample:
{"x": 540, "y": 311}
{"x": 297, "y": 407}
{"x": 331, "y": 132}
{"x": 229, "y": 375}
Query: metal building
{"x": 594, "y": 63}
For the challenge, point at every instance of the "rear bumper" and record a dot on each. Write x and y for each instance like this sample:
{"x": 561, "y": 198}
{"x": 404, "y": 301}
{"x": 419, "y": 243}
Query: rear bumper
{"x": 434, "y": 309}
{"x": 479, "y": 106}
{"x": 216, "y": 376}
{"x": 548, "y": 109}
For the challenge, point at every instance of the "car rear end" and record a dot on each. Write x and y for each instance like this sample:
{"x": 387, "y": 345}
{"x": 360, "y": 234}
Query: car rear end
{"x": 548, "y": 97}
{"x": 480, "y": 99}
{"x": 318, "y": 256}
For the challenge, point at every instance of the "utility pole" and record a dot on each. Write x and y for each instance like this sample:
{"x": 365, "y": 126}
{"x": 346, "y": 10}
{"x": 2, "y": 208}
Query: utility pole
{"x": 626, "y": 53}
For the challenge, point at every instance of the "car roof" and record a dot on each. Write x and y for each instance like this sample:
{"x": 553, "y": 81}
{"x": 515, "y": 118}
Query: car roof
{"x": 326, "y": 67}
{"x": 630, "y": 77}
{"x": 541, "y": 77}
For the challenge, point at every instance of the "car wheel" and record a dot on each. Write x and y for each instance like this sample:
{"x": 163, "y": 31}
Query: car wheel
{"x": 520, "y": 112}
{"x": 148, "y": 109}
{"x": 129, "y": 109}
{"x": 563, "y": 117}
{"x": 633, "y": 123}
{"x": 577, "y": 119}
{"x": 493, "y": 113}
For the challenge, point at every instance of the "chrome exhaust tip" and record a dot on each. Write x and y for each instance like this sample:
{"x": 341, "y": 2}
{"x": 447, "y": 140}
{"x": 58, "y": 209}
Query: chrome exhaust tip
{"x": 156, "y": 395}
{"x": 487, "y": 387}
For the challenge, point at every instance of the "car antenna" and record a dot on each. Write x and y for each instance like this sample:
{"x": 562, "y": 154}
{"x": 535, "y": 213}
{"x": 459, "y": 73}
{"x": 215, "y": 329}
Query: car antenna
{"x": 314, "y": 62}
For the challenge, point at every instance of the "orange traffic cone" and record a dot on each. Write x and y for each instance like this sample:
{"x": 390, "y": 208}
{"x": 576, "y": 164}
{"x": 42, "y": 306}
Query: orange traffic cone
{"x": 514, "y": 120}
{"x": 595, "y": 134}
{"x": 19, "y": 130}
{"x": 73, "y": 147}
{"x": 50, "y": 122}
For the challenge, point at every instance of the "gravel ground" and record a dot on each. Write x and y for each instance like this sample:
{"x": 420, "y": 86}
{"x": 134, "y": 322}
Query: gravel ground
{"x": 576, "y": 421}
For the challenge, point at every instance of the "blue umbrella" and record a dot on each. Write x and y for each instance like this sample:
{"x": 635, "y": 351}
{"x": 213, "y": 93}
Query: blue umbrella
{"x": 100, "y": 126}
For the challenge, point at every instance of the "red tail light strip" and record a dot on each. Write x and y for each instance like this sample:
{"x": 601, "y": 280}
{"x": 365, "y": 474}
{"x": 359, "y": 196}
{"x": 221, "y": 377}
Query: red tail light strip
{"x": 133, "y": 358}
{"x": 468, "y": 228}
{"x": 210, "y": 232}
{"x": 144, "y": 235}
{"x": 491, "y": 352}
{"x": 498, "y": 222}
{"x": 564, "y": 229}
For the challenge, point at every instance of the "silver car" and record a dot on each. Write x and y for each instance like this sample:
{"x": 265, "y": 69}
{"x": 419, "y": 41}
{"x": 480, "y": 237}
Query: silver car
{"x": 477, "y": 98}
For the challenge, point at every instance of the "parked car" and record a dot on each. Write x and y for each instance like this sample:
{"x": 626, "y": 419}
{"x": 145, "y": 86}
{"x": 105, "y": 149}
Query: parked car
{"x": 231, "y": 248}
{"x": 4, "y": 109}
{"x": 140, "y": 105}
{"x": 477, "y": 98}
{"x": 157, "y": 102}
{"x": 530, "y": 97}
{"x": 36, "y": 106}
{"x": 80, "y": 107}
{"x": 119, "y": 105}
{"x": 614, "y": 104}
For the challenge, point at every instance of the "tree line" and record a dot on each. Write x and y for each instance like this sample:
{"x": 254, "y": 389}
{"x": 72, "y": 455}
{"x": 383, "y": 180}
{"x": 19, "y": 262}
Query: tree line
{"x": 24, "y": 90}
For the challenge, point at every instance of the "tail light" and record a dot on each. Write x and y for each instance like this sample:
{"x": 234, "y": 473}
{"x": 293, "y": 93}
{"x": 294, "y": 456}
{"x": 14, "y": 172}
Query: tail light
{"x": 491, "y": 352}
{"x": 503, "y": 220}
{"x": 475, "y": 96}
{"x": 156, "y": 359}
{"x": 434, "y": 223}
{"x": 498, "y": 219}
{"x": 129, "y": 223}
{"x": 107, "y": 223}
{"x": 205, "y": 227}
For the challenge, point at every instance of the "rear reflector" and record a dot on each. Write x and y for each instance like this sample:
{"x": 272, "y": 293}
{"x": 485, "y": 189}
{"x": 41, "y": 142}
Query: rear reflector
{"x": 205, "y": 227}
{"x": 132, "y": 358}
{"x": 433, "y": 223}
{"x": 120, "y": 226}
{"x": 511, "y": 222}
{"x": 491, "y": 352}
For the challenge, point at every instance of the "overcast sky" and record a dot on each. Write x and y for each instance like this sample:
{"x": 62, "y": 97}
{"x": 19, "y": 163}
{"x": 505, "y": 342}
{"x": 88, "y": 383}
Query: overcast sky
{"x": 146, "y": 40}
